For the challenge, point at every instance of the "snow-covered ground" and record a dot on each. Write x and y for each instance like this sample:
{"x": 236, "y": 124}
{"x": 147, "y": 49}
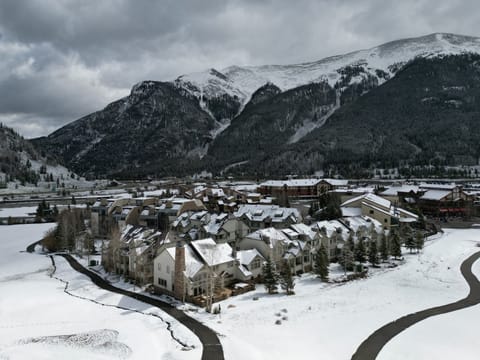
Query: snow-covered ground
{"x": 449, "y": 336}
{"x": 330, "y": 321}
{"x": 36, "y": 314}
{"x": 18, "y": 211}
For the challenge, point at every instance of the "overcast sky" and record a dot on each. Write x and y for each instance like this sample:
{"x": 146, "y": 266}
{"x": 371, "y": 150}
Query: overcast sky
{"x": 60, "y": 60}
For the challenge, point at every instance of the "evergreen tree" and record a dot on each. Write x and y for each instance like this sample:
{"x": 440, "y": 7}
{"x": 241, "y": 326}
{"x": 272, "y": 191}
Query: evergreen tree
{"x": 410, "y": 242}
{"x": 395, "y": 244}
{"x": 373, "y": 253}
{"x": 360, "y": 251}
{"x": 55, "y": 212}
{"x": 270, "y": 277}
{"x": 329, "y": 204}
{"x": 350, "y": 243}
{"x": 384, "y": 248}
{"x": 286, "y": 278}
{"x": 346, "y": 259}
{"x": 419, "y": 241}
{"x": 321, "y": 263}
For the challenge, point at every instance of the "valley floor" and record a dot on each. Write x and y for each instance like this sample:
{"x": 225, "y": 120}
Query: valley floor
{"x": 322, "y": 320}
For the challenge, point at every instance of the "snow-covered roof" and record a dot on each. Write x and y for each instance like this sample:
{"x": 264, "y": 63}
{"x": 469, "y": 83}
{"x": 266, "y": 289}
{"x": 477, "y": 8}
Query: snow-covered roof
{"x": 450, "y": 186}
{"x": 395, "y": 189}
{"x": 211, "y": 252}
{"x": 290, "y": 233}
{"x": 291, "y": 183}
{"x": 215, "y": 224}
{"x": 303, "y": 229}
{"x": 336, "y": 182}
{"x": 246, "y": 256}
{"x": 369, "y": 197}
{"x": 331, "y": 226}
{"x": 378, "y": 200}
{"x": 139, "y": 238}
{"x": 351, "y": 211}
{"x": 352, "y": 200}
{"x": 257, "y": 212}
{"x": 193, "y": 264}
{"x": 435, "y": 194}
{"x": 270, "y": 236}
{"x": 218, "y": 192}
{"x": 357, "y": 222}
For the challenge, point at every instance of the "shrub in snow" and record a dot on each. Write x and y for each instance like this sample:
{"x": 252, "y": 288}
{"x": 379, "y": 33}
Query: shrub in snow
{"x": 278, "y": 322}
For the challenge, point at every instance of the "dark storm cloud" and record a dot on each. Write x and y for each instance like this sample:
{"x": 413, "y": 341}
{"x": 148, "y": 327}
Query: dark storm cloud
{"x": 60, "y": 60}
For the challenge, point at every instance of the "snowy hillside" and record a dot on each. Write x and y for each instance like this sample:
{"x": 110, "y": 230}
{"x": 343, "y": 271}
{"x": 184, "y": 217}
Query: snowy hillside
{"x": 381, "y": 62}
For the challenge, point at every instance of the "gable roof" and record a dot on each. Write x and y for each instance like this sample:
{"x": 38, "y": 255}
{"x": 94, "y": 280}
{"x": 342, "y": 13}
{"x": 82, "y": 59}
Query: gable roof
{"x": 395, "y": 189}
{"x": 291, "y": 183}
{"x": 247, "y": 256}
{"x": 193, "y": 264}
{"x": 435, "y": 194}
{"x": 270, "y": 236}
{"x": 211, "y": 252}
{"x": 256, "y": 212}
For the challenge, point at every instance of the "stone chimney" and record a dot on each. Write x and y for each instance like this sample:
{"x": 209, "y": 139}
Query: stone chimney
{"x": 179, "y": 276}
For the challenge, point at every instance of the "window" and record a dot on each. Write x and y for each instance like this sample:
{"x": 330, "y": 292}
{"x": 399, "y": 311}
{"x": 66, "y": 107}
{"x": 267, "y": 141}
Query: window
{"x": 255, "y": 264}
{"x": 168, "y": 269}
{"x": 159, "y": 267}
{"x": 385, "y": 220}
{"x": 162, "y": 282}
{"x": 371, "y": 212}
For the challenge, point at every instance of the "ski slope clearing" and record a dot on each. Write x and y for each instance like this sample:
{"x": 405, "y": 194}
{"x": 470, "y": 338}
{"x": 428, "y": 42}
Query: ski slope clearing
{"x": 38, "y": 317}
{"x": 331, "y": 321}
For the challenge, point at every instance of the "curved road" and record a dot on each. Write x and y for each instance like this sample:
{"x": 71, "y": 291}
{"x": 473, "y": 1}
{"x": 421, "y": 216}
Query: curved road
{"x": 371, "y": 347}
{"x": 212, "y": 349}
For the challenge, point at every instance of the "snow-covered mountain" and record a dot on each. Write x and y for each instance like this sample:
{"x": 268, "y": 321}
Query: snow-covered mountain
{"x": 25, "y": 169}
{"x": 288, "y": 118}
{"x": 381, "y": 62}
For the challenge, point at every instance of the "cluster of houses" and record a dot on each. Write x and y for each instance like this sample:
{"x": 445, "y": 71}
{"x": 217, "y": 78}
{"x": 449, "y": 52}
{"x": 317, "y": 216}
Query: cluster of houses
{"x": 212, "y": 241}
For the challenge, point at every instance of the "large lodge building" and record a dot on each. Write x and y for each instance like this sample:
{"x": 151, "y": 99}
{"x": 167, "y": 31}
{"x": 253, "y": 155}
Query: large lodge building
{"x": 300, "y": 188}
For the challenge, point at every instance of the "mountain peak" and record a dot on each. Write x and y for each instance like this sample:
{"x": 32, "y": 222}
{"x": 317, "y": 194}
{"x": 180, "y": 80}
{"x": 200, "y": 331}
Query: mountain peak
{"x": 243, "y": 81}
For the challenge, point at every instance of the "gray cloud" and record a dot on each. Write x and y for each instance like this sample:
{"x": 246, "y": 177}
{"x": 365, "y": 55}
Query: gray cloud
{"x": 62, "y": 59}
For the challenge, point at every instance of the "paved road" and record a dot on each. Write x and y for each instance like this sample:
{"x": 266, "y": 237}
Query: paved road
{"x": 371, "y": 347}
{"x": 212, "y": 349}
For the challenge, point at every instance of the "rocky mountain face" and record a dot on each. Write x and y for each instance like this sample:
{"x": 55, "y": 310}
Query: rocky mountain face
{"x": 395, "y": 104}
{"x": 19, "y": 160}
{"x": 157, "y": 126}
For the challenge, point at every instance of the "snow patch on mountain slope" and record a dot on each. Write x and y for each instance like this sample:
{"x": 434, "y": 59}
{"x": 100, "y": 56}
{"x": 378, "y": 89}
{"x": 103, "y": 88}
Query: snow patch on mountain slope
{"x": 311, "y": 125}
{"x": 242, "y": 81}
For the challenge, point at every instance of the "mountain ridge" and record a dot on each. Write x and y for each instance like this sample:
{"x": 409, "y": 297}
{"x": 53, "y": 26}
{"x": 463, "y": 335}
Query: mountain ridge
{"x": 210, "y": 116}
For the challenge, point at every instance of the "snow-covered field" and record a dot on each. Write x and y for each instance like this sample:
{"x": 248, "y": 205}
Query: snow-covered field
{"x": 330, "y": 321}
{"x": 326, "y": 321}
{"x": 449, "y": 336}
{"x": 38, "y": 319}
